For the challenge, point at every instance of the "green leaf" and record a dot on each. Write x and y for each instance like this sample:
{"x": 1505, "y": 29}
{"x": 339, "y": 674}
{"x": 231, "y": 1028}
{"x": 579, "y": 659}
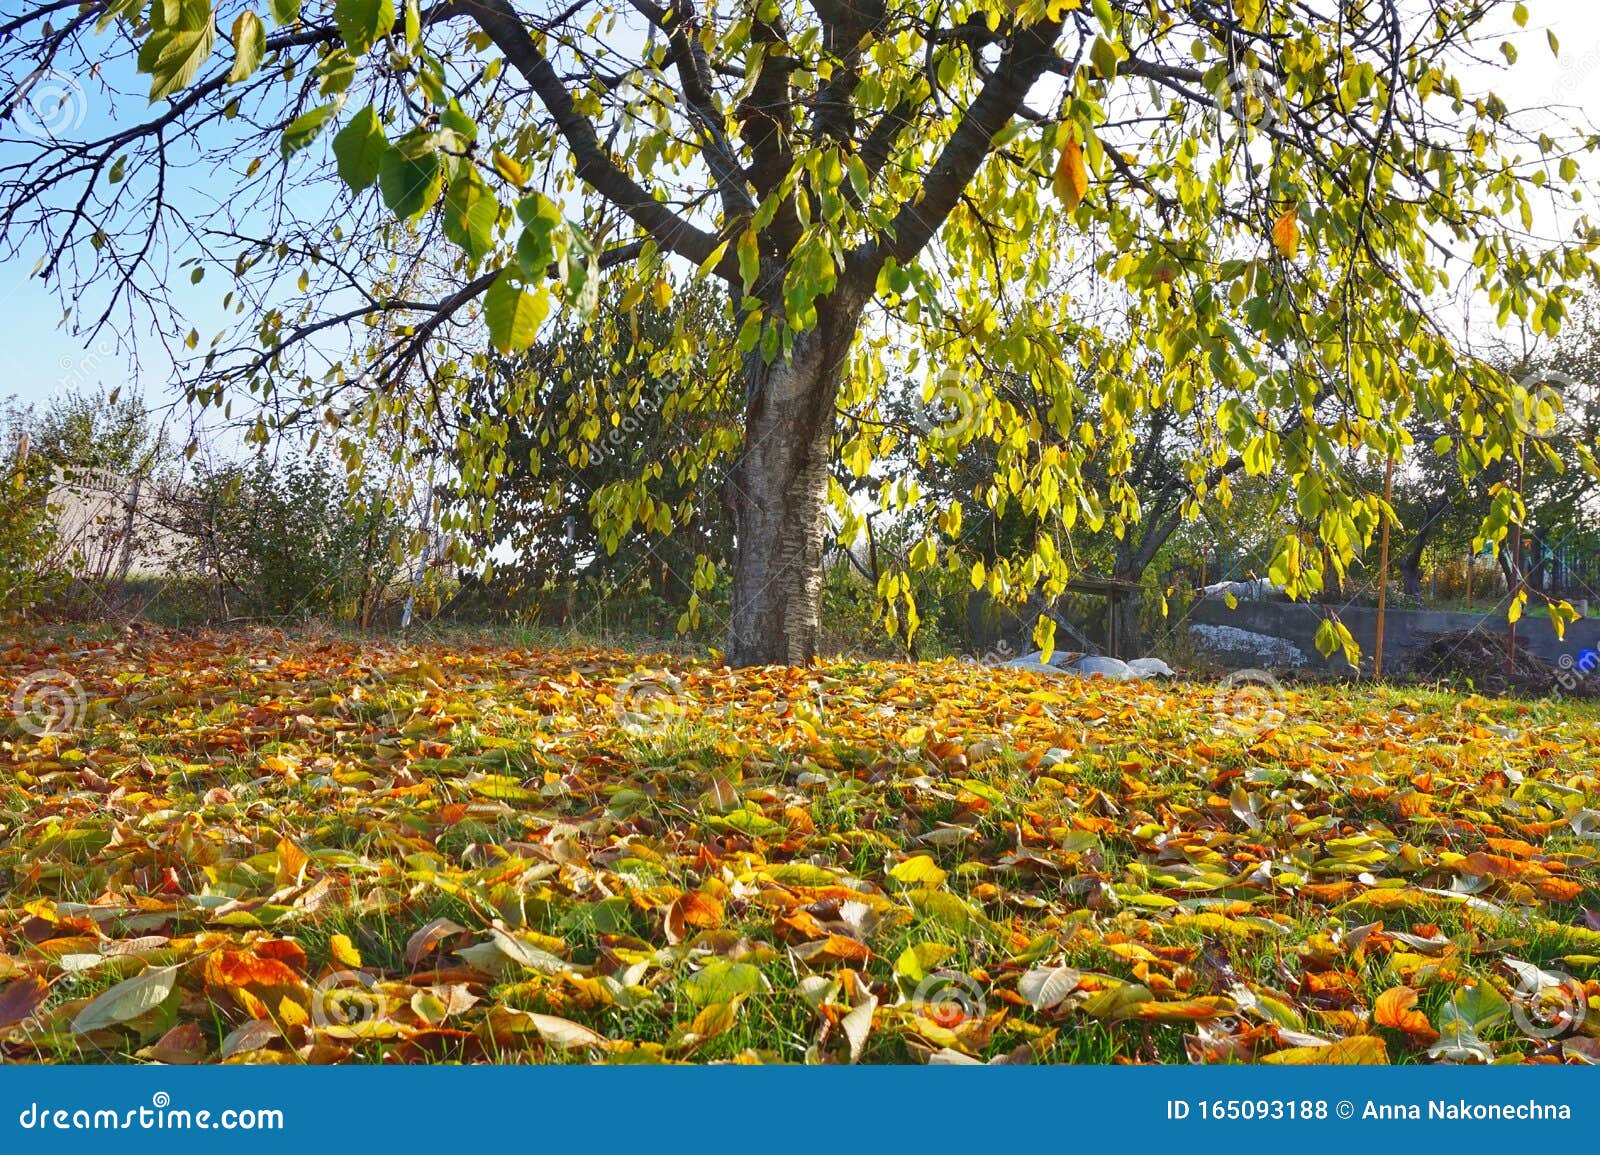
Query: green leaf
{"x": 470, "y": 212}
{"x": 336, "y": 72}
{"x": 921, "y": 959}
{"x": 721, "y": 982}
{"x": 363, "y": 22}
{"x": 127, "y": 1000}
{"x": 1478, "y": 1006}
{"x": 749, "y": 259}
{"x": 1103, "y": 54}
{"x": 514, "y": 314}
{"x": 459, "y": 122}
{"x": 306, "y": 127}
{"x": 177, "y": 46}
{"x": 249, "y": 45}
{"x": 541, "y": 225}
{"x": 410, "y": 184}
{"x": 359, "y": 147}
{"x": 284, "y": 12}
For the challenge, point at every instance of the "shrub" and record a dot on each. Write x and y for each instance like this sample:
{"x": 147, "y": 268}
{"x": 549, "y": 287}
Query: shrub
{"x": 286, "y": 538}
{"x": 27, "y": 537}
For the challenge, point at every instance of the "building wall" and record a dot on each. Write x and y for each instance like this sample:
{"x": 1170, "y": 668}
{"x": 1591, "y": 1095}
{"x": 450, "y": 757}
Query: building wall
{"x": 91, "y": 512}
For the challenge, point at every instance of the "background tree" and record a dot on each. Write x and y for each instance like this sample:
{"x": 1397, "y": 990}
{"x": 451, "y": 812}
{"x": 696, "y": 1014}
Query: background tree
{"x": 281, "y": 537}
{"x": 1443, "y": 508}
{"x": 78, "y": 430}
{"x": 884, "y": 187}
{"x": 612, "y": 424}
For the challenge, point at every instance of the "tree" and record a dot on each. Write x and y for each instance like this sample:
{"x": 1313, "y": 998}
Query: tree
{"x": 1444, "y": 508}
{"x": 282, "y": 537}
{"x": 607, "y": 422}
{"x": 1265, "y": 190}
{"x": 27, "y": 531}
{"x": 110, "y": 431}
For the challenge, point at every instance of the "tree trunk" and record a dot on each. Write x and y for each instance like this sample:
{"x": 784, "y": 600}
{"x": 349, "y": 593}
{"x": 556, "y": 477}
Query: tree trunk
{"x": 1411, "y": 565}
{"x": 778, "y": 493}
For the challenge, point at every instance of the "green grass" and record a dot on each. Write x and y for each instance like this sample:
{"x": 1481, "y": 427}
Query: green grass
{"x": 775, "y": 865}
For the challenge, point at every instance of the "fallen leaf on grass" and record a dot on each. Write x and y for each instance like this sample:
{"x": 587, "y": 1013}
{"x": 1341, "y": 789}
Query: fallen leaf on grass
{"x": 1356, "y": 1050}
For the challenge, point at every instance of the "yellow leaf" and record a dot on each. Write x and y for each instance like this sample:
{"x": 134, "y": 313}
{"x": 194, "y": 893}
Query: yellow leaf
{"x": 292, "y": 1014}
{"x": 344, "y": 951}
{"x": 661, "y": 293}
{"x": 715, "y": 1019}
{"x": 1072, "y": 176}
{"x": 510, "y": 169}
{"x": 430, "y": 1008}
{"x": 1358, "y": 1050}
{"x": 292, "y": 862}
{"x": 920, "y": 870}
{"x": 1286, "y": 233}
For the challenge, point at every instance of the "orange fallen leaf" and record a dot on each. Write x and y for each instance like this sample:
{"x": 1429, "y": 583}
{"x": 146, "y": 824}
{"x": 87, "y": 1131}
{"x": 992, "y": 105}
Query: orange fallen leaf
{"x": 1396, "y": 1008}
{"x": 234, "y": 969}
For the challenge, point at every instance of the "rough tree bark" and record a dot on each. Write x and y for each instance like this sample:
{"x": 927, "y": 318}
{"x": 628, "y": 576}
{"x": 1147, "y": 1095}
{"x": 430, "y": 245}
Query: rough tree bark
{"x": 778, "y": 493}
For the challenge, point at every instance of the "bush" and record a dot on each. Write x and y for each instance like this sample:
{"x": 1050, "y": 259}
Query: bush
{"x": 27, "y": 536}
{"x": 286, "y": 539}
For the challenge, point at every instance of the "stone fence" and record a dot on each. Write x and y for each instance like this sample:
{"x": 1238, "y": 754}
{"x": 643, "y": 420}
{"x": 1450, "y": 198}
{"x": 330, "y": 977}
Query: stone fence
{"x": 1293, "y": 625}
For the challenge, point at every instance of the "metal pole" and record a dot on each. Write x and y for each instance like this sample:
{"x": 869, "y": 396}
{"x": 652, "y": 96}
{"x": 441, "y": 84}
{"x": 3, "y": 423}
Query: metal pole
{"x": 1383, "y": 568}
{"x": 1516, "y": 578}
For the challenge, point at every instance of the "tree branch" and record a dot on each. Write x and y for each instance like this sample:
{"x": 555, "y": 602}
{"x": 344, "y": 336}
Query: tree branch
{"x": 1027, "y": 54}
{"x": 672, "y": 232}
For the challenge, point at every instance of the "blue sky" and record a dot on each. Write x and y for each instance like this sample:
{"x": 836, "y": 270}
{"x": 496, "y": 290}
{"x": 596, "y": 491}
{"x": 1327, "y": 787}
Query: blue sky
{"x": 46, "y": 357}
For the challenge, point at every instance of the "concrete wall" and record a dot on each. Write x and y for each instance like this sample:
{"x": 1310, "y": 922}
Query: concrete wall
{"x": 93, "y": 512}
{"x": 1297, "y": 622}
